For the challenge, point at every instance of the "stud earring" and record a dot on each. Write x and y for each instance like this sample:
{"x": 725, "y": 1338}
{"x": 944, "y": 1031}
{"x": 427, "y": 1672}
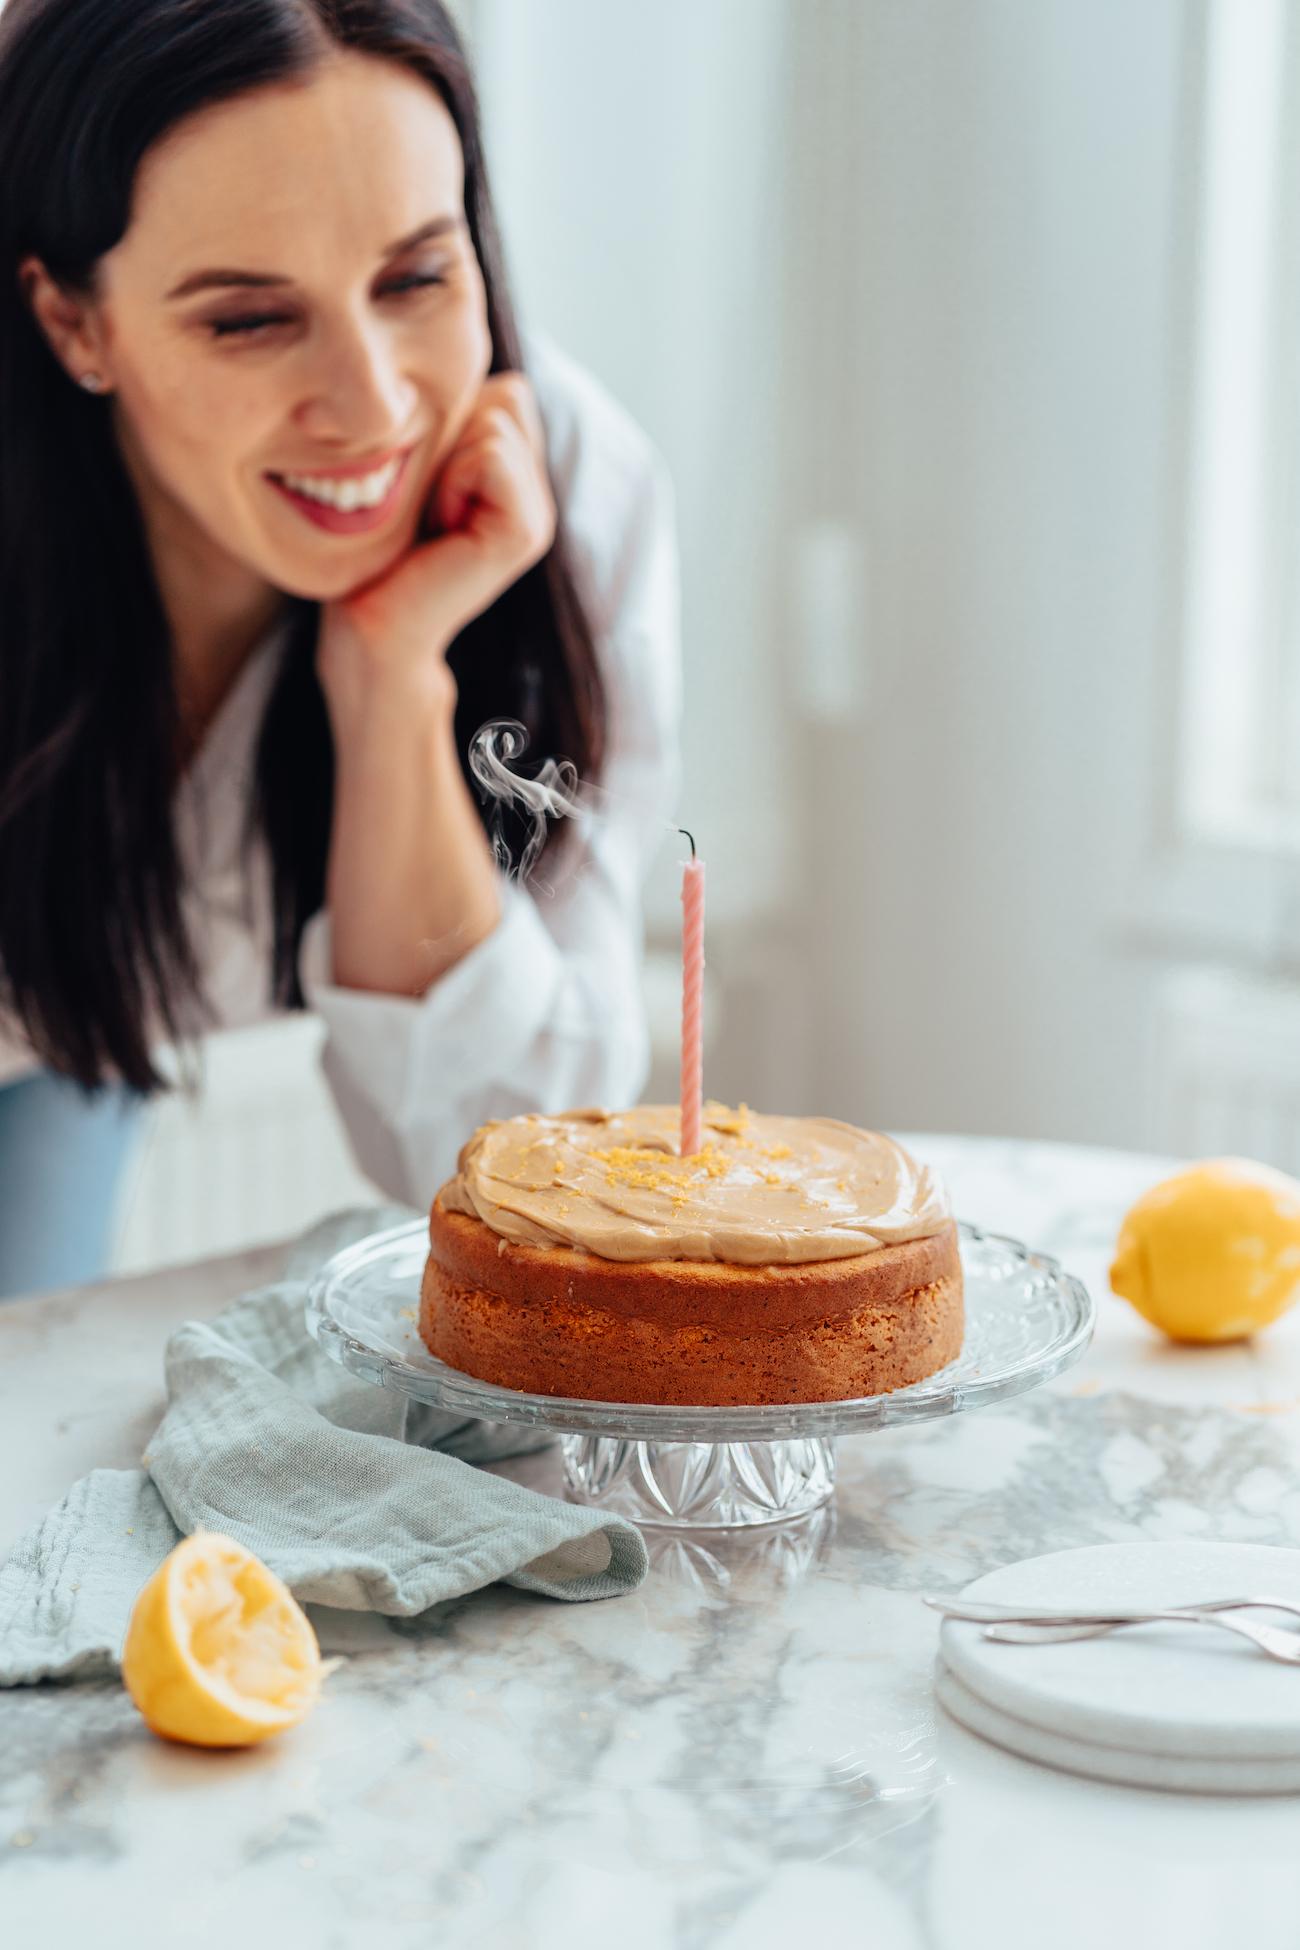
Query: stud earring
{"x": 92, "y": 382}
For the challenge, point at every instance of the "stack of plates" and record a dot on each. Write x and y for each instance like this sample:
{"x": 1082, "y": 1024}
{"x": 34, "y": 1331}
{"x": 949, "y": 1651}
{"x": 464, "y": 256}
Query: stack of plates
{"x": 1162, "y": 1705}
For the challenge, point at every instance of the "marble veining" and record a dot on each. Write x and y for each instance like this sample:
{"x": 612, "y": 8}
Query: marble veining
{"x": 742, "y": 1752}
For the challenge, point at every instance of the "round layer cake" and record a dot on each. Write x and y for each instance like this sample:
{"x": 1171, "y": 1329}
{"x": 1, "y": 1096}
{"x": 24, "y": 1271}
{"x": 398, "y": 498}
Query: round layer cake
{"x": 790, "y": 1259}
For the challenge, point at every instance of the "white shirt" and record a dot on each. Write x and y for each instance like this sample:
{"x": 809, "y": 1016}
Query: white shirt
{"x": 546, "y": 1013}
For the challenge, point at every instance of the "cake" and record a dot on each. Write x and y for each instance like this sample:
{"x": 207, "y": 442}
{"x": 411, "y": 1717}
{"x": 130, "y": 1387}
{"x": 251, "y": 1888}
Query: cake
{"x": 790, "y": 1259}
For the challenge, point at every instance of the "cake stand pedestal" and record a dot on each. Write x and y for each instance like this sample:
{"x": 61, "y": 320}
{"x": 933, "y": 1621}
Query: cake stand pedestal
{"x": 694, "y": 1467}
{"x": 700, "y": 1485}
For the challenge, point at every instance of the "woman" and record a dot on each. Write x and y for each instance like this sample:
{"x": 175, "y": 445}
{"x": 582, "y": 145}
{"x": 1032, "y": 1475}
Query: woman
{"x": 278, "y": 533}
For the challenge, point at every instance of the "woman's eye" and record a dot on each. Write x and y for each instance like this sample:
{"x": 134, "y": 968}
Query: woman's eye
{"x": 414, "y": 279}
{"x": 221, "y": 326}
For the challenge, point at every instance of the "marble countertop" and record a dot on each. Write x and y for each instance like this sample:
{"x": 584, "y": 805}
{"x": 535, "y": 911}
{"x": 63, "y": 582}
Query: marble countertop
{"x": 744, "y": 1750}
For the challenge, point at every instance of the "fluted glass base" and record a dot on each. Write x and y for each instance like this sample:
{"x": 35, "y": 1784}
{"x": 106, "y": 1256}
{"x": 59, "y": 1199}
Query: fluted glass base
{"x": 699, "y": 1485}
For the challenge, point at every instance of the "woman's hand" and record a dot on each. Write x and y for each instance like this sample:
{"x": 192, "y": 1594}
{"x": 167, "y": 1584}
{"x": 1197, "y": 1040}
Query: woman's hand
{"x": 490, "y": 514}
{"x": 411, "y": 885}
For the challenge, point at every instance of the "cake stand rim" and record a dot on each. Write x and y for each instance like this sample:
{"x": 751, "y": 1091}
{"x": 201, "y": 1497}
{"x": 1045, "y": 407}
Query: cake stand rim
{"x": 440, "y": 1386}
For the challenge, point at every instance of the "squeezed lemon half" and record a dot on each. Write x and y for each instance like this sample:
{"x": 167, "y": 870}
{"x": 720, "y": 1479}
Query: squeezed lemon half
{"x": 218, "y": 1651}
{"x": 1213, "y": 1253}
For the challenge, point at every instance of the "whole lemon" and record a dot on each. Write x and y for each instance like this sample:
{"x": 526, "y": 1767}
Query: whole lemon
{"x": 1212, "y": 1253}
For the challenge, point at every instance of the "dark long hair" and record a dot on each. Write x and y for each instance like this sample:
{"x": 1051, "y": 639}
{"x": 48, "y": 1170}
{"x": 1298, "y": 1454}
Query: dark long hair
{"x": 93, "y": 941}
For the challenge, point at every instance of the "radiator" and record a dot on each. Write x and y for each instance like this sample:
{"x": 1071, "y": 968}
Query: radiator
{"x": 258, "y": 1154}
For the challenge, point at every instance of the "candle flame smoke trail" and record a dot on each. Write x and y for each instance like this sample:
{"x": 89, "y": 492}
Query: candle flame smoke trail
{"x": 556, "y": 792}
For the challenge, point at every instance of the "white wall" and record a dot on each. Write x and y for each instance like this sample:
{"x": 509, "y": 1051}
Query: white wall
{"x": 1019, "y": 225}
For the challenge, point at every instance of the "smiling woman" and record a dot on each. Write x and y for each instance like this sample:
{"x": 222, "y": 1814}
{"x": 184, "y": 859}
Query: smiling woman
{"x": 315, "y": 523}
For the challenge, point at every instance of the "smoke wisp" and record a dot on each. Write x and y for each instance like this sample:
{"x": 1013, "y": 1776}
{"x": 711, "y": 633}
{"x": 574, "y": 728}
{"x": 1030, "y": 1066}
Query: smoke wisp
{"x": 556, "y": 792}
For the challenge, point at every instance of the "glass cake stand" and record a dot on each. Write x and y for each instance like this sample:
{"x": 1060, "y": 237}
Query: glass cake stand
{"x": 706, "y": 1468}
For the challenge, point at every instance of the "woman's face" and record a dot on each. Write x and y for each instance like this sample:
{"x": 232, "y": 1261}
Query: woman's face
{"x": 297, "y": 295}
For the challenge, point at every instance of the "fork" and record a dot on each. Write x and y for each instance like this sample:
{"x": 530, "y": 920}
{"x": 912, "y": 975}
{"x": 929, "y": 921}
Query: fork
{"x": 1274, "y": 1640}
{"x": 975, "y": 1611}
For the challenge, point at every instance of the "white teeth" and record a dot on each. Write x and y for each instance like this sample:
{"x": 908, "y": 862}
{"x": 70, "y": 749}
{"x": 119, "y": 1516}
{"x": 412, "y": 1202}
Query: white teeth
{"x": 365, "y": 492}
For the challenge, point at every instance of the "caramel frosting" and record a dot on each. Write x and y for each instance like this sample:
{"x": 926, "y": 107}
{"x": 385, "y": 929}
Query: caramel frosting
{"x": 760, "y": 1190}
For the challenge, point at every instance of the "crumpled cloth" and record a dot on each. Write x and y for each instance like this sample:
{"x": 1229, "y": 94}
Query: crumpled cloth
{"x": 357, "y": 1496}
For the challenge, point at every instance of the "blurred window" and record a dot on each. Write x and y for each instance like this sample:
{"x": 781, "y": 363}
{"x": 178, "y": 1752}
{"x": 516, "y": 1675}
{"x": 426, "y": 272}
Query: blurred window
{"x": 1239, "y": 770}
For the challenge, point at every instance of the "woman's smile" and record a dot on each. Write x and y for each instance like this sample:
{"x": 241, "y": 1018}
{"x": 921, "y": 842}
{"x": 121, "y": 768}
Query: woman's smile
{"x": 345, "y": 502}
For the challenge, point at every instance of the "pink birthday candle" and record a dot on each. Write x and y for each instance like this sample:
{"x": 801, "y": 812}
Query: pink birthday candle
{"x": 692, "y": 1102}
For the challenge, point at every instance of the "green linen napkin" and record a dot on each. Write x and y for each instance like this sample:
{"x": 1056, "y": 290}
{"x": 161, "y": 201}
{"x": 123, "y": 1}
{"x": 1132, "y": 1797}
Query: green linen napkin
{"x": 357, "y": 1496}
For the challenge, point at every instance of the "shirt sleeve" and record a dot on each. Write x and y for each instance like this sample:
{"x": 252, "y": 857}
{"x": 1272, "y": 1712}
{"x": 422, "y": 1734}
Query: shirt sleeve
{"x": 547, "y": 1012}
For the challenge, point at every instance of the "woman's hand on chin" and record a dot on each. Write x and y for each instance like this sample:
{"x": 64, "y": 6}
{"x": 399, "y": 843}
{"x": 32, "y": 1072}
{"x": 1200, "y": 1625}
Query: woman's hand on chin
{"x": 491, "y": 516}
